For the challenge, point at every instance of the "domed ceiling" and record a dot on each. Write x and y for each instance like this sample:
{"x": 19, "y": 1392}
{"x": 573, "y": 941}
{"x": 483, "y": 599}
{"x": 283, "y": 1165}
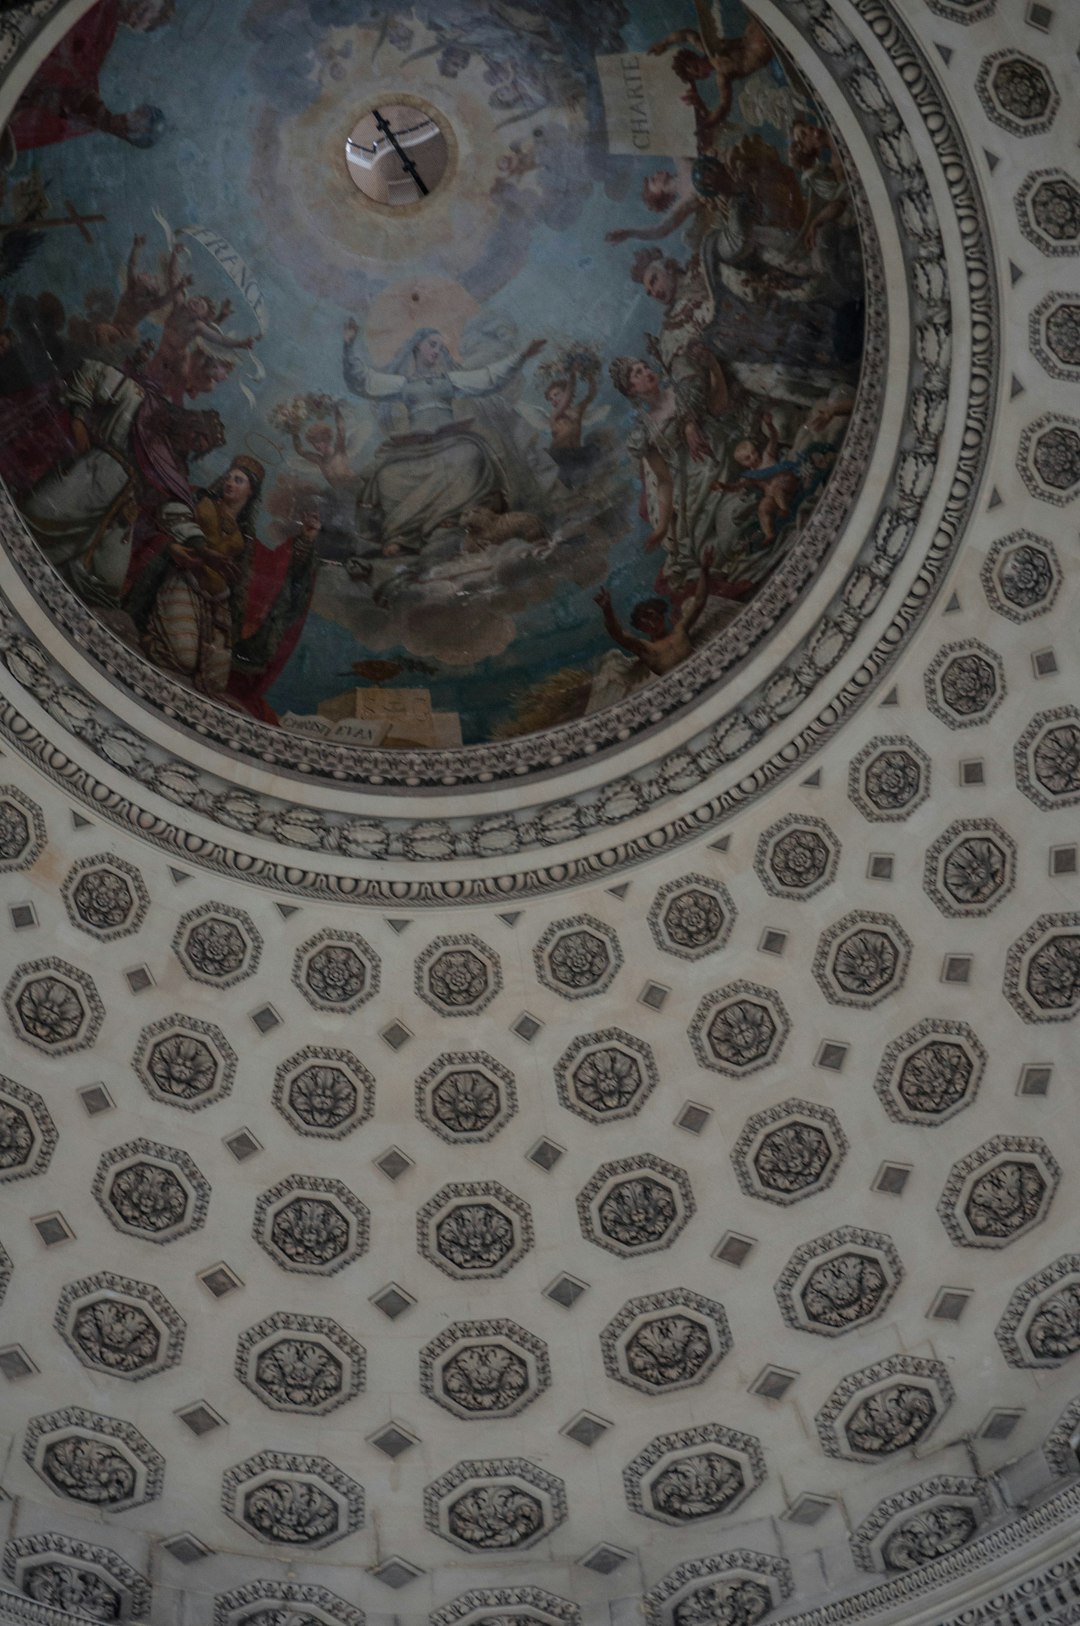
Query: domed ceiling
{"x": 537, "y": 818}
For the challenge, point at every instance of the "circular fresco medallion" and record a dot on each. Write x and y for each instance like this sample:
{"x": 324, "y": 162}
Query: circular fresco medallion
{"x": 486, "y": 482}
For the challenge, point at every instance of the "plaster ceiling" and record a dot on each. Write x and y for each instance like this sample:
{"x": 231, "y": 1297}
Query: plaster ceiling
{"x": 677, "y": 1228}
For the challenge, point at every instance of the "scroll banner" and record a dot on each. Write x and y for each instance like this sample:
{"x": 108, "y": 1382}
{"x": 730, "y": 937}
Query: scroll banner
{"x": 643, "y": 107}
{"x": 235, "y": 268}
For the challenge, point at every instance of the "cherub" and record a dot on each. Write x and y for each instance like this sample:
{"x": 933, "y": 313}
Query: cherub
{"x": 327, "y": 450}
{"x": 193, "y": 321}
{"x": 776, "y": 482}
{"x": 705, "y": 51}
{"x": 517, "y": 161}
{"x": 567, "y": 413}
{"x": 661, "y": 648}
{"x": 144, "y": 293}
{"x": 666, "y": 192}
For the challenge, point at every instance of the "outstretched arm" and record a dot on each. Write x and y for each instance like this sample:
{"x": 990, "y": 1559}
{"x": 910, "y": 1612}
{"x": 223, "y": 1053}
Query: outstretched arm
{"x": 652, "y": 234}
{"x": 616, "y": 630}
{"x": 363, "y": 380}
{"x": 137, "y": 246}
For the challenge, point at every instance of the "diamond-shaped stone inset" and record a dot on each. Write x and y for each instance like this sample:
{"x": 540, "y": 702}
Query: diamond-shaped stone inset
{"x": 606, "y": 1075}
{"x": 474, "y": 1230}
{"x": 466, "y": 1096}
{"x": 300, "y": 1363}
{"x": 184, "y": 1062}
{"x": 839, "y": 1281}
{"x": 930, "y": 1072}
{"x": 665, "y": 1341}
{"x": 739, "y": 1029}
{"x": 999, "y": 1192}
{"x": 635, "y": 1205}
{"x": 692, "y": 917}
{"x": 484, "y": 1369}
{"x": 123, "y": 1328}
{"x": 499, "y": 1505}
{"x": 292, "y": 1501}
{"x": 324, "y": 1091}
{"x": 310, "y": 1224}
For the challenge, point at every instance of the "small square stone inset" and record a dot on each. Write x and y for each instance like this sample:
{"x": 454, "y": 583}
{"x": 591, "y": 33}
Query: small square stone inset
{"x": 396, "y": 1035}
{"x": 999, "y": 1423}
{"x": 808, "y": 1509}
{"x": 200, "y": 1419}
{"x": 1063, "y": 860}
{"x": 973, "y": 772}
{"x": 396, "y": 1573}
{"x": 832, "y": 1056}
{"x": 526, "y": 1027}
{"x": 15, "y": 1363}
{"x": 949, "y": 1304}
{"x": 603, "y": 1560}
{"x": 95, "y": 1098}
{"x": 586, "y": 1428}
{"x": 653, "y": 995}
{"x": 1039, "y": 16}
{"x": 773, "y": 1382}
{"x": 392, "y": 1300}
{"x": 1044, "y": 663}
{"x": 265, "y": 1018}
{"x": 693, "y": 1118}
{"x": 545, "y": 1154}
{"x": 52, "y": 1229}
{"x": 880, "y": 867}
{"x": 772, "y": 942}
{"x": 565, "y": 1290}
{"x": 242, "y": 1145}
{"x": 956, "y": 968}
{"x": 139, "y": 979}
{"x": 393, "y": 1440}
{"x": 23, "y": 915}
{"x": 1034, "y": 1080}
{"x": 220, "y": 1280}
{"x": 186, "y": 1548}
{"x": 393, "y": 1163}
{"x": 733, "y": 1248}
{"x": 892, "y": 1178}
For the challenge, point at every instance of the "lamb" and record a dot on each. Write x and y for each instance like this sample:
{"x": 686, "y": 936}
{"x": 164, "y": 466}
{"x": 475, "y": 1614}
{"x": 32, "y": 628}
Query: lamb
{"x": 484, "y": 529}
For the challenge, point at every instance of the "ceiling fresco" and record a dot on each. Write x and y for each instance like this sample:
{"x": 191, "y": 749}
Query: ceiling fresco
{"x": 442, "y": 473}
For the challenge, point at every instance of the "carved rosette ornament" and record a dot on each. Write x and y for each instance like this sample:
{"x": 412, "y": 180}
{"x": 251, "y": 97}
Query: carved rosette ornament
{"x": 284, "y": 1603}
{"x": 292, "y": 1501}
{"x": 74, "y": 1577}
{"x": 324, "y": 1091}
{"x": 500, "y": 1505}
{"x": 665, "y": 1341}
{"x": 918, "y": 1525}
{"x": 635, "y": 1205}
{"x": 606, "y": 1075}
{"x": 22, "y": 829}
{"x": 789, "y": 1152}
{"x": 736, "y": 1588}
{"x": 885, "y": 1408}
{"x": 692, "y": 916}
{"x": 740, "y": 1028}
{"x": 1047, "y": 758}
{"x": 1042, "y": 970}
{"x": 507, "y": 1606}
{"x": 1041, "y": 1323}
{"x": 577, "y": 957}
{"x": 458, "y": 975}
{"x": 311, "y": 1224}
{"x": 970, "y": 868}
{"x": 862, "y": 959}
{"x": 839, "y": 1281}
{"x": 105, "y": 896}
{"x": 151, "y": 1191}
{"x": 465, "y": 1096}
{"x": 28, "y": 1135}
{"x": 300, "y": 1363}
{"x": 337, "y": 971}
{"x": 472, "y": 1230}
{"x": 218, "y": 945}
{"x": 694, "y": 1474}
{"x": 797, "y": 857}
{"x": 100, "y": 1461}
{"x": 889, "y": 778}
{"x": 54, "y": 1006}
{"x": 184, "y": 1062}
{"x": 999, "y": 1191}
{"x": 484, "y": 1369}
{"x": 123, "y": 1328}
{"x": 930, "y": 1072}
{"x": 1022, "y": 575}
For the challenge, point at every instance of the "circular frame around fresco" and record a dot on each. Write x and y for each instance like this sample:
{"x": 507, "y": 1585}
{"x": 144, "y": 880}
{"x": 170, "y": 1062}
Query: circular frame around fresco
{"x": 356, "y": 824}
